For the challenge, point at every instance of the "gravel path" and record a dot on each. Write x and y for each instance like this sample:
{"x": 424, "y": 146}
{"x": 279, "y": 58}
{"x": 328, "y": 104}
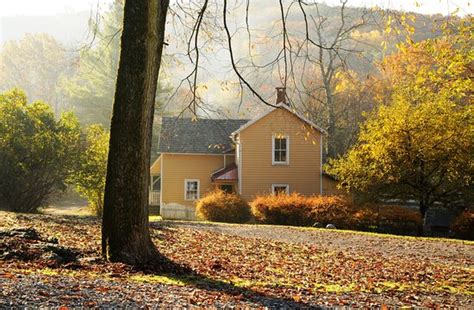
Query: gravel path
{"x": 432, "y": 249}
{"x": 46, "y": 291}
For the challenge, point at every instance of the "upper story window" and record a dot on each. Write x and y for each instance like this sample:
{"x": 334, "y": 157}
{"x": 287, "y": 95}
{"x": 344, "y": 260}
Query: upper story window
{"x": 280, "y": 150}
{"x": 191, "y": 189}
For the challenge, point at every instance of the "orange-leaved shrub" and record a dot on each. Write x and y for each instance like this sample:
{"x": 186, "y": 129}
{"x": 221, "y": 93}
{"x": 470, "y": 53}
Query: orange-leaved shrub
{"x": 299, "y": 210}
{"x": 335, "y": 210}
{"x": 219, "y": 206}
{"x": 282, "y": 209}
{"x": 463, "y": 225}
{"x": 389, "y": 219}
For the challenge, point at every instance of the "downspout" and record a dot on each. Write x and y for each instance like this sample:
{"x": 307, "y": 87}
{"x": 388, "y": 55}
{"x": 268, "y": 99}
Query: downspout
{"x": 321, "y": 165}
{"x": 238, "y": 162}
{"x": 161, "y": 182}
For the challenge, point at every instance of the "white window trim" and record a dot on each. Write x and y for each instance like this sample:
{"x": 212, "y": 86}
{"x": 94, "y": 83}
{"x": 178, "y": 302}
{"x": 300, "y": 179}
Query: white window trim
{"x": 287, "y": 162}
{"x": 281, "y": 185}
{"x": 198, "y": 189}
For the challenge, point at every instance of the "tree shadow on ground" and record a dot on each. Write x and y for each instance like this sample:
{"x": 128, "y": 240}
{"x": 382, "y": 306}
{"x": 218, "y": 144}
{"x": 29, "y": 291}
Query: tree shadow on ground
{"x": 176, "y": 272}
{"x": 163, "y": 266}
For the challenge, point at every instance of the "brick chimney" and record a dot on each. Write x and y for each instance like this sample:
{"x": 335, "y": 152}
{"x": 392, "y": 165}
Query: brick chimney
{"x": 281, "y": 95}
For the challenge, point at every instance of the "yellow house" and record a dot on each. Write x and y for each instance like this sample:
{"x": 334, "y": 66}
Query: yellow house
{"x": 279, "y": 151}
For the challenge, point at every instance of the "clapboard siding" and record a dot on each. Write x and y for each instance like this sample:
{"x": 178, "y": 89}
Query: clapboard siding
{"x": 155, "y": 168}
{"x": 303, "y": 173}
{"x": 177, "y": 168}
{"x": 330, "y": 187}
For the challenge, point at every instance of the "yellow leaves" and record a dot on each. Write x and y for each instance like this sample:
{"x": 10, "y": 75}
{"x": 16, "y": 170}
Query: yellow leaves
{"x": 388, "y": 25}
{"x": 89, "y": 175}
{"x": 398, "y": 137}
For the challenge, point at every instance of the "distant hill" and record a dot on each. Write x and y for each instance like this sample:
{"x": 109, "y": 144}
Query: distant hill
{"x": 70, "y": 29}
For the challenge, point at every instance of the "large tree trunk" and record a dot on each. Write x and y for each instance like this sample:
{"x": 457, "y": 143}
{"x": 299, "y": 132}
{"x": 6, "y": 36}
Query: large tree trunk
{"x": 125, "y": 234}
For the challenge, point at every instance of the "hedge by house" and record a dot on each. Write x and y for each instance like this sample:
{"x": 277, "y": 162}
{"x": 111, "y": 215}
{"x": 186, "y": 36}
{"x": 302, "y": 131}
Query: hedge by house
{"x": 299, "y": 210}
{"x": 220, "y": 206}
{"x": 282, "y": 209}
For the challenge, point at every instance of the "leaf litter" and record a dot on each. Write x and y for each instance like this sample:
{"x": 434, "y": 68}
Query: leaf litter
{"x": 55, "y": 261}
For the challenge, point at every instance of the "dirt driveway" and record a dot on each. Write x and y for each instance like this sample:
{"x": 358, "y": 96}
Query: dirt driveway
{"x": 430, "y": 249}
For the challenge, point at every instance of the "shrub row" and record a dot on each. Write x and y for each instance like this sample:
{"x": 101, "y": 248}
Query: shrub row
{"x": 389, "y": 219}
{"x": 298, "y": 210}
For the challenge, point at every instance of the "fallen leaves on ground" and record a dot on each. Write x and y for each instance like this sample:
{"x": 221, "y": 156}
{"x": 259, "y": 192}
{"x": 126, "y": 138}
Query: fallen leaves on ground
{"x": 229, "y": 270}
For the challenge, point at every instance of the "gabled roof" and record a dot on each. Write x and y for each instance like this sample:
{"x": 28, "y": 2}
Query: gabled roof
{"x": 286, "y": 107}
{"x": 202, "y": 136}
{"x": 209, "y": 136}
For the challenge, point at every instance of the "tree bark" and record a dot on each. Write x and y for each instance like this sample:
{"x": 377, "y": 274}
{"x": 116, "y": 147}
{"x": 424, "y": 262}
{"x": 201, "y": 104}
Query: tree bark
{"x": 423, "y": 209}
{"x": 125, "y": 234}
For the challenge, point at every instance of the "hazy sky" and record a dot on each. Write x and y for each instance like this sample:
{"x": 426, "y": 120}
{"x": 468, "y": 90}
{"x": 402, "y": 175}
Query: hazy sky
{"x": 51, "y": 7}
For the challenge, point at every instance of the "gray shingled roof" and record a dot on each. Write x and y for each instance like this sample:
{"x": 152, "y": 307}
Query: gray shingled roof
{"x": 207, "y": 136}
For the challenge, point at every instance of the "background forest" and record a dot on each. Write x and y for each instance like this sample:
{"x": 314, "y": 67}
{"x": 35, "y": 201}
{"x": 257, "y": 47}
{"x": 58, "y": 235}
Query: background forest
{"x": 75, "y": 69}
{"x": 340, "y": 65}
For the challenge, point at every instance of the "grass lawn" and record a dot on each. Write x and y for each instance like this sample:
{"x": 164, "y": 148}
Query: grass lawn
{"x": 239, "y": 265}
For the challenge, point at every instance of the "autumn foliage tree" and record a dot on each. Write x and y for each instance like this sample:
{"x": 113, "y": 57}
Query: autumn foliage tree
{"x": 420, "y": 146}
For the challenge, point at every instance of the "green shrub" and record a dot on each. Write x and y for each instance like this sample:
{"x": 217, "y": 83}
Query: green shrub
{"x": 219, "y": 206}
{"x": 38, "y": 150}
{"x": 91, "y": 168}
{"x": 463, "y": 225}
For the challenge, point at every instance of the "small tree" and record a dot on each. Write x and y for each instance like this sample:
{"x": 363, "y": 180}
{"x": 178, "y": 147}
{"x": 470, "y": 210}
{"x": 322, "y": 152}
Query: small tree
{"x": 37, "y": 152}
{"x": 421, "y": 152}
{"x": 420, "y": 146}
{"x": 91, "y": 169}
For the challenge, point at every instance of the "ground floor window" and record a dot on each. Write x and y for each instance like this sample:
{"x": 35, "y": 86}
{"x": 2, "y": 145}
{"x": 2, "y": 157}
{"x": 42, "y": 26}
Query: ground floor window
{"x": 191, "y": 189}
{"x": 228, "y": 188}
{"x": 280, "y": 189}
